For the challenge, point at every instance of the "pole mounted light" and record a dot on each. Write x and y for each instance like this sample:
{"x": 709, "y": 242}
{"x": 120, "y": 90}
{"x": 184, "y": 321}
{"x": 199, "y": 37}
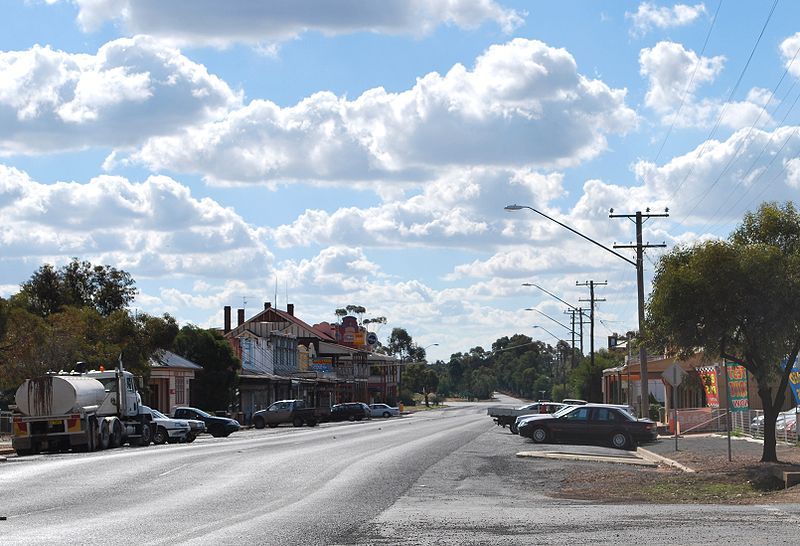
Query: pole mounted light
{"x": 638, "y": 264}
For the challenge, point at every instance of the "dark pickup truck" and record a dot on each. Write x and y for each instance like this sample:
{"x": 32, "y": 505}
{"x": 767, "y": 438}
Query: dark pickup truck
{"x": 288, "y": 411}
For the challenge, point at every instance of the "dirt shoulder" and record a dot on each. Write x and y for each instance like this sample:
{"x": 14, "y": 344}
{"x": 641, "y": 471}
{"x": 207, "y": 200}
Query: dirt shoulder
{"x": 744, "y": 480}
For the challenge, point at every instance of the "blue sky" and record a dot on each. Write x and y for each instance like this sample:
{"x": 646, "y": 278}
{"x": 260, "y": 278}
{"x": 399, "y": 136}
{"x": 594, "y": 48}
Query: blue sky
{"x": 361, "y": 152}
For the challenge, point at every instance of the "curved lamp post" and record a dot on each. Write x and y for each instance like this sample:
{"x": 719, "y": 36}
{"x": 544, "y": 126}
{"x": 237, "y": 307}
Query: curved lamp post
{"x": 638, "y": 264}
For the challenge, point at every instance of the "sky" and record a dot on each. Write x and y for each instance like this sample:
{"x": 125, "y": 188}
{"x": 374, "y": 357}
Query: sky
{"x": 327, "y": 153}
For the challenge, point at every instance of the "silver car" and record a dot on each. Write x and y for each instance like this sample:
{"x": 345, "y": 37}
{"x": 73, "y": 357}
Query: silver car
{"x": 383, "y": 410}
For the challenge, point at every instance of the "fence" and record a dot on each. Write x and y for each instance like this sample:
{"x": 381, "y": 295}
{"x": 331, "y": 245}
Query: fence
{"x": 749, "y": 423}
{"x": 5, "y": 422}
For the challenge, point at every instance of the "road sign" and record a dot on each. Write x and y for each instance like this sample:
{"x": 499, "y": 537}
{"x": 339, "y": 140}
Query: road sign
{"x": 372, "y": 338}
{"x": 673, "y": 375}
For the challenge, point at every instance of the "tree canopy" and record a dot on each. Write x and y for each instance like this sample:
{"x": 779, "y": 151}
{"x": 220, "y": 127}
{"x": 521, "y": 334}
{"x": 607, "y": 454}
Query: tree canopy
{"x": 736, "y": 299}
{"x": 216, "y": 383}
{"x": 78, "y": 284}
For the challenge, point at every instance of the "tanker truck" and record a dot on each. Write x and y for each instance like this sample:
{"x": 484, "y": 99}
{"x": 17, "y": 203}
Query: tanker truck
{"x": 82, "y": 411}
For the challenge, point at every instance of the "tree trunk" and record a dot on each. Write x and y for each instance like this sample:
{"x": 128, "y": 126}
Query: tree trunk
{"x": 769, "y": 454}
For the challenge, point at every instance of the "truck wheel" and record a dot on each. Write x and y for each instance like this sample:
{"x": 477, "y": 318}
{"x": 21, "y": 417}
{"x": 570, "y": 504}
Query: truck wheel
{"x": 297, "y": 422}
{"x": 116, "y": 434}
{"x": 146, "y": 437}
{"x": 258, "y": 422}
{"x": 161, "y": 436}
{"x": 105, "y": 435}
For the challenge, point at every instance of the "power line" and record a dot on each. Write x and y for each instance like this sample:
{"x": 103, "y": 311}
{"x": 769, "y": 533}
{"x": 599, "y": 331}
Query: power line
{"x": 730, "y": 97}
{"x": 689, "y": 85}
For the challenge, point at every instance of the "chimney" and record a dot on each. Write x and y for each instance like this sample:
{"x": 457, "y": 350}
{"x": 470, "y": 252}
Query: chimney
{"x": 239, "y": 317}
{"x": 227, "y": 325}
{"x": 290, "y": 308}
{"x": 267, "y": 305}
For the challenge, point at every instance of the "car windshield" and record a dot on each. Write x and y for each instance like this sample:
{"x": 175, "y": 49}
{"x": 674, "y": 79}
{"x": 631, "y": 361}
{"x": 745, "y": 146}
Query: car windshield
{"x": 564, "y": 411}
{"x": 201, "y": 413}
{"x": 157, "y": 414}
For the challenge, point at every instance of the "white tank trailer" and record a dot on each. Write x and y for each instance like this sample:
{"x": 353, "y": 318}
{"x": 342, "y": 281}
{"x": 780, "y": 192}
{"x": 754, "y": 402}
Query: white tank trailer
{"x": 79, "y": 411}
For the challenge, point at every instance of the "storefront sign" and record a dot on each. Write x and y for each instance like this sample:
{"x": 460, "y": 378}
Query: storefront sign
{"x": 708, "y": 376}
{"x": 794, "y": 379}
{"x": 737, "y": 388}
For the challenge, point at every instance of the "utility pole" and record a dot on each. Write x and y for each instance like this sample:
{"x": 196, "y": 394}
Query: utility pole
{"x": 592, "y": 299}
{"x": 639, "y": 219}
{"x": 583, "y": 316}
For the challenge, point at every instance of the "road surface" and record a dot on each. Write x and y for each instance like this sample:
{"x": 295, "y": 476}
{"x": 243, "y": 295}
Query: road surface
{"x": 438, "y": 477}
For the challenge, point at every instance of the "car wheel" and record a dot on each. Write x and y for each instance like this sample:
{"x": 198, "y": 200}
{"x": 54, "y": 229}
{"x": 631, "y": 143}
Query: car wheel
{"x": 258, "y": 422}
{"x": 311, "y": 423}
{"x": 161, "y": 436}
{"x": 298, "y": 422}
{"x": 513, "y": 428}
{"x": 387, "y": 414}
{"x": 539, "y": 435}
{"x": 191, "y": 438}
{"x": 351, "y": 418}
{"x": 620, "y": 440}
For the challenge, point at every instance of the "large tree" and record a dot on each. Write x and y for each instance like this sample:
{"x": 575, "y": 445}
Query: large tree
{"x": 737, "y": 299}
{"x": 218, "y": 378}
{"x": 78, "y": 284}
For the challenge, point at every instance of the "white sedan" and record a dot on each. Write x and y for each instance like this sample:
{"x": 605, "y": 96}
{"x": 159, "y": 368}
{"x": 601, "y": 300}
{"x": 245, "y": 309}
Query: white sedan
{"x": 383, "y": 410}
{"x": 172, "y": 430}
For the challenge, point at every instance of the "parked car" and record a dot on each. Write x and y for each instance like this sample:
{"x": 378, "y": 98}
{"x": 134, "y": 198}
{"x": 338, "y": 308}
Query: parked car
{"x": 350, "y": 411}
{"x": 590, "y": 423}
{"x": 175, "y": 430}
{"x": 781, "y": 422}
{"x": 504, "y": 416}
{"x": 216, "y": 426}
{"x": 383, "y": 410}
{"x": 167, "y": 429}
{"x": 286, "y": 411}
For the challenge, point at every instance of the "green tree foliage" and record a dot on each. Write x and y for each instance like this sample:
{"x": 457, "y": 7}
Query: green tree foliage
{"x": 216, "y": 383}
{"x": 586, "y": 381}
{"x": 420, "y": 378}
{"x": 737, "y": 299}
{"x": 77, "y": 284}
{"x": 32, "y": 345}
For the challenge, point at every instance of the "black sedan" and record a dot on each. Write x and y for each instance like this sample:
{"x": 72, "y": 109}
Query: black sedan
{"x": 216, "y": 426}
{"x": 350, "y": 411}
{"x": 593, "y": 424}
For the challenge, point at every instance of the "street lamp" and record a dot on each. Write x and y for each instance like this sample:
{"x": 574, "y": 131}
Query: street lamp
{"x": 574, "y": 309}
{"x": 551, "y": 318}
{"x": 638, "y": 264}
{"x": 549, "y": 332}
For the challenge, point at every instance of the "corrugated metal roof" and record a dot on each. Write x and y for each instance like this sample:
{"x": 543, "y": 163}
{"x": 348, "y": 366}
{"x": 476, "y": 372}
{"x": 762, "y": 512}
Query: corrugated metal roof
{"x": 167, "y": 359}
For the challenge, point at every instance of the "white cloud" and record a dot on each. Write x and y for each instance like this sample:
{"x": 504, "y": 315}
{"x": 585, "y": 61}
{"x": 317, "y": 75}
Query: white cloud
{"x": 130, "y": 90}
{"x": 719, "y": 180}
{"x": 459, "y": 209}
{"x": 524, "y": 104}
{"x": 674, "y": 74}
{"x": 210, "y": 22}
{"x": 650, "y": 16}
{"x": 669, "y": 68}
{"x": 790, "y": 48}
{"x": 153, "y": 228}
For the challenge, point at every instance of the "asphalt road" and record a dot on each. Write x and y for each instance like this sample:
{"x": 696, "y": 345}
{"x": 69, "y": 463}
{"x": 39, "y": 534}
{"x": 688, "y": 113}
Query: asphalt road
{"x": 438, "y": 477}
